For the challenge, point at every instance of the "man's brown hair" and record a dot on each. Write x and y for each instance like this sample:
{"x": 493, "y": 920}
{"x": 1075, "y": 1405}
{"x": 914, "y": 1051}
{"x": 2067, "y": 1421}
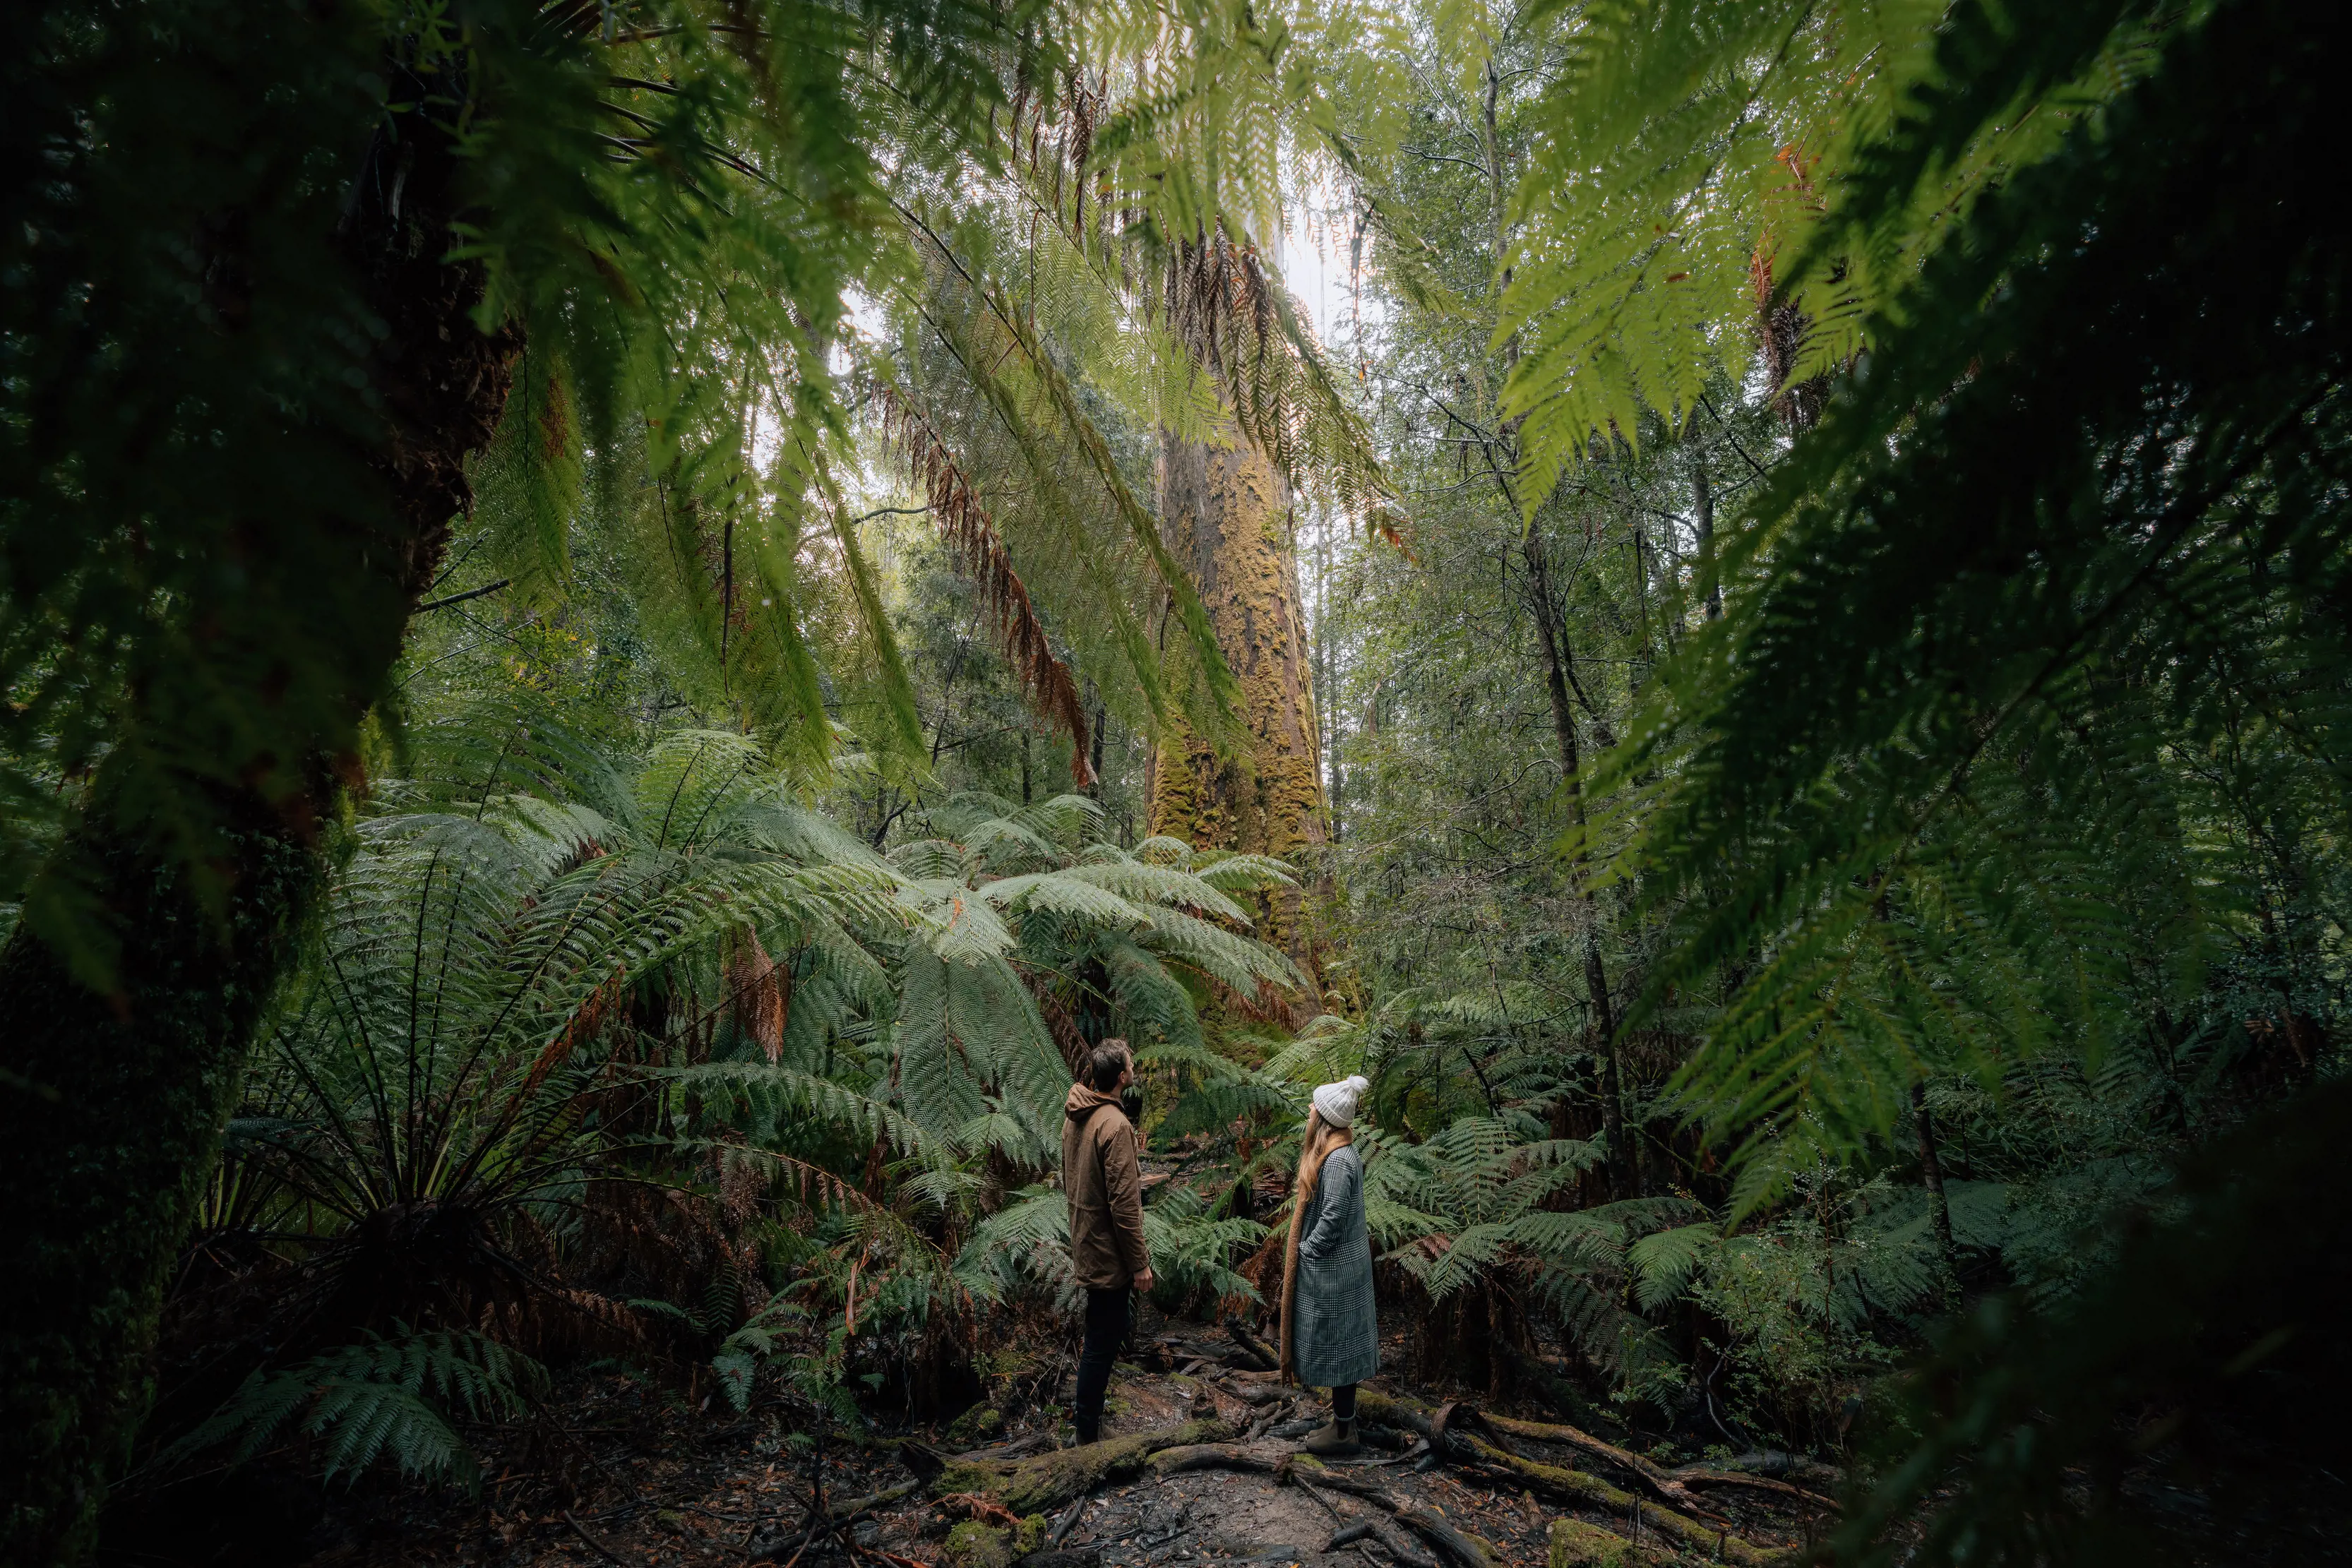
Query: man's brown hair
{"x": 1106, "y": 1062}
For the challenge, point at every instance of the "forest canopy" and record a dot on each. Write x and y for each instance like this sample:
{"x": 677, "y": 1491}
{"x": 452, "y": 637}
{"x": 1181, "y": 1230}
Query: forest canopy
{"x": 629, "y": 627}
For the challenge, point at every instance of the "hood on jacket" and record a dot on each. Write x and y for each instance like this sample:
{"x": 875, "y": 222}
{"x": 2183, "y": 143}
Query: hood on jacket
{"x": 1082, "y": 1101}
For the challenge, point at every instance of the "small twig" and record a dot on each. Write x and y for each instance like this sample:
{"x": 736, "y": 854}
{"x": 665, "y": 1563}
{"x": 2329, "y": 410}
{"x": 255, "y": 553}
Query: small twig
{"x": 461, "y": 598}
{"x": 598, "y": 1547}
{"x": 1070, "y": 1520}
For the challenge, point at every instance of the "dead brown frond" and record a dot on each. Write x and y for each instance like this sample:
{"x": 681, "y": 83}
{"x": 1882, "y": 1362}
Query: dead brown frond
{"x": 1064, "y": 1028}
{"x": 760, "y": 991}
{"x": 1239, "y": 323}
{"x": 806, "y": 1177}
{"x": 1051, "y": 135}
{"x": 965, "y": 525}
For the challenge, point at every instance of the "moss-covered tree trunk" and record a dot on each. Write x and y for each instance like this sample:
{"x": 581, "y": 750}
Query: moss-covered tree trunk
{"x": 1226, "y": 515}
{"x": 114, "y": 1105}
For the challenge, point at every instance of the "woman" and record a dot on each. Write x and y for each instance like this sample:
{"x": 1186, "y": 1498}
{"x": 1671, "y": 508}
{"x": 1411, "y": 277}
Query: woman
{"x": 1330, "y": 1336}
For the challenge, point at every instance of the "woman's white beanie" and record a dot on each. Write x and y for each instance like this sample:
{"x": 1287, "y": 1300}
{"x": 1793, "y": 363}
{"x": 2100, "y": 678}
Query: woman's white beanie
{"x": 1337, "y": 1101}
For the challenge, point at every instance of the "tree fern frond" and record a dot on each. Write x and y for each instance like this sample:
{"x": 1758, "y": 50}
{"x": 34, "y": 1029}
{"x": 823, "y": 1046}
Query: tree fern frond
{"x": 965, "y": 524}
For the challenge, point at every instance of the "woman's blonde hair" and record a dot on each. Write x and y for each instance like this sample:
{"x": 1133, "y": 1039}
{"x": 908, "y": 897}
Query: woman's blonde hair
{"x": 1313, "y": 1150}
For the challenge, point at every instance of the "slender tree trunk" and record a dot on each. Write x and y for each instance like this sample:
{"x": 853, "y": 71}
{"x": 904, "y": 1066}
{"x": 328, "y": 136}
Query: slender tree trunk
{"x": 1624, "y": 1179}
{"x": 1703, "y": 512}
{"x": 1226, "y": 515}
{"x": 1095, "y": 738}
{"x": 1931, "y": 1173}
{"x": 110, "y": 1129}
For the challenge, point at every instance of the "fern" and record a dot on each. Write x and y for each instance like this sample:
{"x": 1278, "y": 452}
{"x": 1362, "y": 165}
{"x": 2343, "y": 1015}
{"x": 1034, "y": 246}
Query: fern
{"x": 392, "y": 1399}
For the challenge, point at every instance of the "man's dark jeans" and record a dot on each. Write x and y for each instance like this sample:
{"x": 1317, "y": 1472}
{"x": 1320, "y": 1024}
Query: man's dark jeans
{"x": 1105, "y": 1331}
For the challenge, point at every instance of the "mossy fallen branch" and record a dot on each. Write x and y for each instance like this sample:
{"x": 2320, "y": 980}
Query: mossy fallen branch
{"x": 1575, "y": 1486}
{"x": 1666, "y": 1488}
{"x": 1049, "y": 1481}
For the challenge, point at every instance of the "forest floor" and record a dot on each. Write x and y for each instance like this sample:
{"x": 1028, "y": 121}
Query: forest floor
{"x": 627, "y": 1472}
{"x": 1200, "y": 1469}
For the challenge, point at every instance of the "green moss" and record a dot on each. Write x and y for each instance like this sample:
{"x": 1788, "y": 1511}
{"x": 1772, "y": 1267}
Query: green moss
{"x": 975, "y": 1427}
{"x": 972, "y": 1544}
{"x": 976, "y": 1545}
{"x": 1031, "y": 1536}
{"x": 1576, "y": 1544}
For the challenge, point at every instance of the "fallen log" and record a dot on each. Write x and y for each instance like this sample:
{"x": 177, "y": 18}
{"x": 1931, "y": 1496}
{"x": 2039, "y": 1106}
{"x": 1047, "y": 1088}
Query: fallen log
{"x": 1047, "y": 1481}
{"x": 1018, "y": 1448}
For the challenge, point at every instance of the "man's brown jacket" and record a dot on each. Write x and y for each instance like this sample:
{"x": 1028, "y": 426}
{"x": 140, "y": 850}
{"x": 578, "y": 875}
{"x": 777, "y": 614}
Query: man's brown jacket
{"x": 1104, "y": 1184}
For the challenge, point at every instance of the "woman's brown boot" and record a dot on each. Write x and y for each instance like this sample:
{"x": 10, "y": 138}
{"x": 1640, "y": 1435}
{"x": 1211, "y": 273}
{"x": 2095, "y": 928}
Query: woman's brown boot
{"x": 1335, "y": 1439}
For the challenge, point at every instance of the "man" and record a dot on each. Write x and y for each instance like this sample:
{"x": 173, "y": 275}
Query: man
{"x": 1104, "y": 1182}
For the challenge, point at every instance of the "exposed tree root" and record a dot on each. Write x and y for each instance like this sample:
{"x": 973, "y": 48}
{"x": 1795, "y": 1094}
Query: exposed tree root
{"x": 1463, "y": 1551}
{"x": 1309, "y": 1476}
{"x": 1665, "y": 1511}
{"x": 1263, "y": 1354}
{"x": 1575, "y": 1486}
{"x": 1701, "y": 1476}
{"x": 1668, "y": 1489}
{"x": 1049, "y": 1481}
{"x": 1260, "y": 1458}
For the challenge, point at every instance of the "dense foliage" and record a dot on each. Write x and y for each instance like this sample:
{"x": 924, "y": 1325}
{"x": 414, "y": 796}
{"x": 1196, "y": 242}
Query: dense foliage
{"x": 597, "y": 631}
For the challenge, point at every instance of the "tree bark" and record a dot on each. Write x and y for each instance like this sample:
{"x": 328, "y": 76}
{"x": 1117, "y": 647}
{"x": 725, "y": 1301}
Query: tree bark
{"x": 1624, "y": 1177}
{"x": 1225, "y": 513}
{"x": 108, "y": 1138}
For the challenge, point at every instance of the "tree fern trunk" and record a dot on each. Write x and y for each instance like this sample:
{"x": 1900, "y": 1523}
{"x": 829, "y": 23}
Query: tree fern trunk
{"x": 111, "y": 1120}
{"x": 1931, "y": 1176}
{"x": 1227, "y": 515}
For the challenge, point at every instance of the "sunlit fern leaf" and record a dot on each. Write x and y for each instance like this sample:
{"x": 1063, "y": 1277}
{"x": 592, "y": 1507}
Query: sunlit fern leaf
{"x": 1063, "y": 894}
{"x": 1145, "y": 883}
